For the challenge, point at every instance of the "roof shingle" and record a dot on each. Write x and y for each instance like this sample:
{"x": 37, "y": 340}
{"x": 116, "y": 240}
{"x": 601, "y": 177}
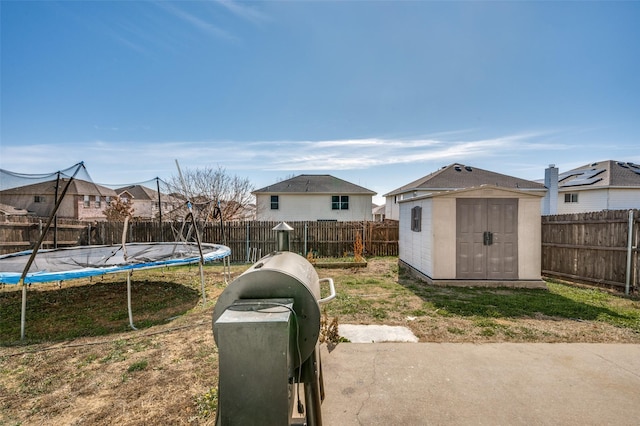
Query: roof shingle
{"x": 316, "y": 184}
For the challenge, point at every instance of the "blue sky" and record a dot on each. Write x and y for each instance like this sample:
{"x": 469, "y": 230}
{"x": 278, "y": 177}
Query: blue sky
{"x": 376, "y": 93}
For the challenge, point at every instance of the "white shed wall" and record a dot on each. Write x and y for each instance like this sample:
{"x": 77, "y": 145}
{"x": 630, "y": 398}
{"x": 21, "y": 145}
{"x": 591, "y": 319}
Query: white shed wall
{"x": 416, "y": 248}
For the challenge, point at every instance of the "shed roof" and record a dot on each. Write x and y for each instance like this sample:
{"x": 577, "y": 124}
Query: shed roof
{"x": 314, "y": 184}
{"x": 608, "y": 173}
{"x": 461, "y": 191}
{"x": 459, "y": 176}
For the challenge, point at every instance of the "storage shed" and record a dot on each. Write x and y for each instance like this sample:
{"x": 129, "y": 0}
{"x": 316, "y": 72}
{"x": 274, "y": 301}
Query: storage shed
{"x": 478, "y": 236}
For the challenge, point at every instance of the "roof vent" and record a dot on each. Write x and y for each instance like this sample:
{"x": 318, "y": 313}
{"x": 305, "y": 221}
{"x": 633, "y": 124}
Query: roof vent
{"x": 594, "y": 164}
{"x": 468, "y": 168}
{"x": 457, "y": 168}
{"x": 621, "y": 164}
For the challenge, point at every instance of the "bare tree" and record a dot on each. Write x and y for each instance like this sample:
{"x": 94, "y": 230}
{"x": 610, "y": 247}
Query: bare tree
{"x": 119, "y": 209}
{"x": 208, "y": 188}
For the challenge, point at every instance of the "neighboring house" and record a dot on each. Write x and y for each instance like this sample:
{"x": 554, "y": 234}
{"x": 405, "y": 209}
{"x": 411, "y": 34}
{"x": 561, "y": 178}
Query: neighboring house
{"x": 146, "y": 203}
{"x": 313, "y": 197}
{"x": 486, "y": 235}
{"x": 378, "y": 213}
{"x": 604, "y": 185}
{"x": 452, "y": 177}
{"x": 83, "y": 201}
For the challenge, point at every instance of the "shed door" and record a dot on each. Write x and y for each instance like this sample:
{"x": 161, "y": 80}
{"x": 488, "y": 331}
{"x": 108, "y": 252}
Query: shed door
{"x": 487, "y": 238}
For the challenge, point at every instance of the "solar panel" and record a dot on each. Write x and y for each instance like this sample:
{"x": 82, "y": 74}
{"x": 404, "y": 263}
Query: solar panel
{"x": 634, "y": 167}
{"x": 566, "y": 175}
{"x": 587, "y": 177}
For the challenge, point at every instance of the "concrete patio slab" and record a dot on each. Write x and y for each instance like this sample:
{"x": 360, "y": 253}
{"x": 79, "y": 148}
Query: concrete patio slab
{"x": 481, "y": 384}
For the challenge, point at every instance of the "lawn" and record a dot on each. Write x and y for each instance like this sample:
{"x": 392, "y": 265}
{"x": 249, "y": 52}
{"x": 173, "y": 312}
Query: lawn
{"x": 82, "y": 364}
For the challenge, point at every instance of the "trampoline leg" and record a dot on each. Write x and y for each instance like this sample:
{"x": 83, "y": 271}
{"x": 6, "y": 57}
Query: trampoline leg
{"x": 204, "y": 294}
{"x": 24, "y": 310}
{"x": 129, "y": 300}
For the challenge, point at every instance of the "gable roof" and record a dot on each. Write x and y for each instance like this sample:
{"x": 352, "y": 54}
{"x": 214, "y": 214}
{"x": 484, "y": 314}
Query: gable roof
{"x": 459, "y": 176}
{"x": 314, "y": 184}
{"x": 608, "y": 173}
{"x": 139, "y": 192}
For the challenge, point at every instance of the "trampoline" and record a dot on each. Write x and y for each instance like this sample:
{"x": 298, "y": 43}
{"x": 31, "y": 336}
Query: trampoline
{"x": 87, "y": 261}
{"x": 38, "y": 266}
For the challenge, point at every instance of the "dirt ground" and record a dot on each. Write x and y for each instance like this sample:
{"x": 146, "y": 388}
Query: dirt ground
{"x": 167, "y": 374}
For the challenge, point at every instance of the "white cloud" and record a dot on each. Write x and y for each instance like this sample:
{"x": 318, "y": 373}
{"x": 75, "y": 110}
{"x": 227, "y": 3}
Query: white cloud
{"x": 135, "y": 161}
{"x": 196, "y": 22}
{"x": 243, "y": 11}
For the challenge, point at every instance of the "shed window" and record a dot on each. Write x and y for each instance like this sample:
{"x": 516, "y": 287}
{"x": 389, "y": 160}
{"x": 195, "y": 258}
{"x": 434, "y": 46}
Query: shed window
{"x": 275, "y": 202}
{"x": 571, "y": 197}
{"x": 339, "y": 202}
{"x": 416, "y": 219}
{"x": 87, "y": 202}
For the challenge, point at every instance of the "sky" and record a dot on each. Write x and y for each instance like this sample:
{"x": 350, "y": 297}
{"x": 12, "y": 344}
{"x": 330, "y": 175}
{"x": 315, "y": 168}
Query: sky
{"x": 378, "y": 93}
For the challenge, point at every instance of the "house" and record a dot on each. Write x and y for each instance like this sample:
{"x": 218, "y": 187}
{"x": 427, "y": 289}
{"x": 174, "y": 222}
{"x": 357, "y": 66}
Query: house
{"x": 452, "y": 177}
{"x": 603, "y": 185}
{"x": 313, "y": 197}
{"x": 378, "y": 213}
{"x": 478, "y": 236}
{"x": 146, "y": 202}
{"x": 84, "y": 200}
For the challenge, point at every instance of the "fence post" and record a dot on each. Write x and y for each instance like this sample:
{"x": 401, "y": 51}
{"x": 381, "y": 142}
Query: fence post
{"x": 305, "y": 239}
{"x": 248, "y": 244}
{"x": 627, "y": 279}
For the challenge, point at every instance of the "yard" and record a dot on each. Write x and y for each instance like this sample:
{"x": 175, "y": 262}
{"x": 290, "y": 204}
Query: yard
{"x": 81, "y": 364}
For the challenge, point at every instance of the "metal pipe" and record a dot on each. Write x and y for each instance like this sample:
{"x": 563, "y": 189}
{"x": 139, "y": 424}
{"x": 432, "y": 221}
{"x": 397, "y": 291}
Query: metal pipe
{"x": 248, "y": 248}
{"x": 306, "y": 225}
{"x": 629, "y": 254}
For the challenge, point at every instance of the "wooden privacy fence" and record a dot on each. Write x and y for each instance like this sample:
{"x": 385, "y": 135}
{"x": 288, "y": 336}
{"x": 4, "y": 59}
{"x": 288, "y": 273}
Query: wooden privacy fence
{"x": 593, "y": 247}
{"x": 247, "y": 240}
{"x": 587, "y": 247}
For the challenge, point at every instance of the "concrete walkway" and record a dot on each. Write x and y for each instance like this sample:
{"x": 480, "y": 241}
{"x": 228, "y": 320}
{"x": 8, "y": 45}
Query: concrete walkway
{"x": 484, "y": 384}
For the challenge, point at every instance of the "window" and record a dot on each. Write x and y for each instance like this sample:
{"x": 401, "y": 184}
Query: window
{"x": 87, "y": 202}
{"x": 275, "y": 202}
{"x": 38, "y": 199}
{"x": 416, "y": 219}
{"x": 97, "y": 201}
{"x": 107, "y": 200}
{"x": 339, "y": 202}
{"x": 571, "y": 197}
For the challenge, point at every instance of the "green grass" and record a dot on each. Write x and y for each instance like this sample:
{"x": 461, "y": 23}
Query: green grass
{"x": 560, "y": 301}
{"x": 94, "y": 309}
{"x": 396, "y": 294}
